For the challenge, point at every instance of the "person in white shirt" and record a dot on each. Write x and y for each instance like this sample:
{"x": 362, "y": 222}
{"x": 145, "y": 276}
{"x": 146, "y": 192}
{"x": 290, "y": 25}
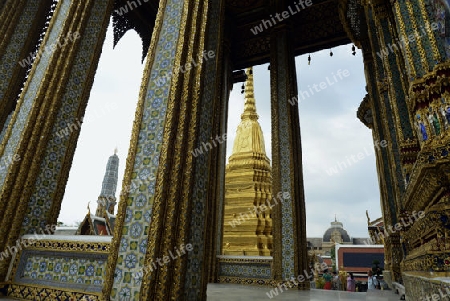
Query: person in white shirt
{"x": 372, "y": 281}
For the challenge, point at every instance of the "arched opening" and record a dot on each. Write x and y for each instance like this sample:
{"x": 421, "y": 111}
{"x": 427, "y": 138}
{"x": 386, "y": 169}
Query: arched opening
{"x": 339, "y": 168}
{"x": 106, "y": 126}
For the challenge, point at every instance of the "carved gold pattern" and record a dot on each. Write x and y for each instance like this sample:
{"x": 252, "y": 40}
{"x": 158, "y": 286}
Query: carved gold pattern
{"x": 419, "y": 42}
{"x": 430, "y": 36}
{"x": 129, "y": 174}
{"x": 170, "y": 223}
{"x": 422, "y": 286}
{"x": 5, "y": 204}
{"x": 59, "y": 77}
{"x": 411, "y": 68}
{"x": 290, "y": 254}
{"x": 41, "y": 293}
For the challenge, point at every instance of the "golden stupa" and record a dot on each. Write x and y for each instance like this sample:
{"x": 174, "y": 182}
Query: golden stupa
{"x": 248, "y": 186}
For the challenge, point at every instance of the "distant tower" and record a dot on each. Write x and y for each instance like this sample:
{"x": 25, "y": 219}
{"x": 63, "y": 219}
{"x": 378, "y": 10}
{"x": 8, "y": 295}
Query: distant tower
{"x": 248, "y": 183}
{"x": 107, "y": 199}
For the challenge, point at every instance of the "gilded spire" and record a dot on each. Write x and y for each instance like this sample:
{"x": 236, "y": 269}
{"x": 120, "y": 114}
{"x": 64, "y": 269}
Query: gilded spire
{"x": 249, "y": 136}
{"x": 248, "y": 182}
{"x": 250, "y": 104}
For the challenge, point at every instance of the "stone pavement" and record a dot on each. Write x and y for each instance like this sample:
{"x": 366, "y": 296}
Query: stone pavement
{"x": 232, "y": 292}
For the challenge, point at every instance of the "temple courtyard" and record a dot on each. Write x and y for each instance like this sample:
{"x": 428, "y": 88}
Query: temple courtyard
{"x": 226, "y": 292}
{"x": 223, "y": 292}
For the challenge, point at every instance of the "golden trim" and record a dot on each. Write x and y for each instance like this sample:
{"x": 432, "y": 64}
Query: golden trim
{"x": 399, "y": 18}
{"x": 419, "y": 43}
{"x": 261, "y": 282}
{"x": 129, "y": 168}
{"x": 49, "y": 101}
{"x": 387, "y": 84}
{"x": 430, "y": 34}
{"x": 9, "y": 17}
{"x": 14, "y": 290}
{"x": 7, "y": 206}
{"x": 26, "y": 86}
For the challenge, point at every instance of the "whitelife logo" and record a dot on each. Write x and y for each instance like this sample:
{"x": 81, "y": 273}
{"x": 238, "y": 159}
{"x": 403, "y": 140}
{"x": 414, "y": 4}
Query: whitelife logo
{"x": 130, "y": 4}
{"x": 359, "y": 156}
{"x": 280, "y": 17}
{"x": 71, "y": 37}
{"x": 340, "y": 75}
{"x": 401, "y": 43}
{"x": 165, "y": 260}
{"x": 293, "y": 282}
{"x": 256, "y": 210}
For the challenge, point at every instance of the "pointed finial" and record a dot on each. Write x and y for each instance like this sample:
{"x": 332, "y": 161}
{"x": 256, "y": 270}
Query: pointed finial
{"x": 250, "y": 105}
{"x": 335, "y": 219}
{"x": 115, "y": 151}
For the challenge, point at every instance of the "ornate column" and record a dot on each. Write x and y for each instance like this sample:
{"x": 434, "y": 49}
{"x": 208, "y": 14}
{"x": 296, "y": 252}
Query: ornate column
{"x": 21, "y": 24}
{"x": 289, "y": 221}
{"x": 391, "y": 52}
{"x": 383, "y": 109}
{"x": 165, "y": 237}
{"x": 426, "y": 241}
{"x": 418, "y": 34}
{"x": 54, "y": 97}
{"x": 218, "y": 158}
{"x": 390, "y": 104}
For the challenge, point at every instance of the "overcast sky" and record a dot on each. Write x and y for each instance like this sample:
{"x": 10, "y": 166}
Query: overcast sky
{"x": 331, "y": 134}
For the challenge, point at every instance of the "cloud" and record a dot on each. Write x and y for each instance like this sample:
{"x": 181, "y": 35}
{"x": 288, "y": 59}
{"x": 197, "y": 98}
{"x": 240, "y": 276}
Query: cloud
{"x": 329, "y": 128}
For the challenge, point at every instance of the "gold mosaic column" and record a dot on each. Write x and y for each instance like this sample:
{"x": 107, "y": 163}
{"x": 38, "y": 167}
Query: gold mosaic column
{"x": 224, "y": 82}
{"x": 166, "y": 230}
{"x": 392, "y": 122}
{"x": 395, "y": 72}
{"x": 21, "y": 23}
{"x": 426, "y": 241}
{"x": 289, "y": 220}
{"x": 54, "y": 97}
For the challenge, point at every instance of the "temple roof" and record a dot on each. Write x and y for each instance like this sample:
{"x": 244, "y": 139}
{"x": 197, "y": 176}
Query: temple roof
{"x": 336, "y": 227}
{"x": 315, "y": 27}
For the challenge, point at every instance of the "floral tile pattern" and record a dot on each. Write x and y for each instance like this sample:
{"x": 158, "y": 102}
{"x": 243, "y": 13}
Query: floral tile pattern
{"x": 11, "y": 57}
{"x": 245, "y": 270}
{"x": 51, "y": 166}
{"x": 33, "y": 85}
{"x": 69, "y": 270}
{"x": 133, "y": 244}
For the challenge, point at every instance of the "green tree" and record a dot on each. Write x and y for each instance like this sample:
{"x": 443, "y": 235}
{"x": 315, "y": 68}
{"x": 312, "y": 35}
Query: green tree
{"x": 333, "y": 258}
{"x": 376, "y": 269}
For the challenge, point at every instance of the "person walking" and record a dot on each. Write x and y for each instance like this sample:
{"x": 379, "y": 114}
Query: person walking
{"x": 335, "y": 281}
{"x": 372, "y": 281}
{"x": 327, "y": 276}
{"x": 351, "y": 283}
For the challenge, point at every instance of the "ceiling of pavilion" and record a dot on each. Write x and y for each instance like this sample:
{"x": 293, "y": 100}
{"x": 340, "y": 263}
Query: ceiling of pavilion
{"x": 314, "y": 28}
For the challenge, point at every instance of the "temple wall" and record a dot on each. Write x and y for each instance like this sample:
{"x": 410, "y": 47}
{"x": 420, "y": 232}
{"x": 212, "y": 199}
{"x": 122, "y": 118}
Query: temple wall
{"x": 176, "y": 116}
{"x": 254, "y": 270}
{"x": 422, "y": 286}
{"x": 70, "y": 267}
{"x": 412, "y": 103}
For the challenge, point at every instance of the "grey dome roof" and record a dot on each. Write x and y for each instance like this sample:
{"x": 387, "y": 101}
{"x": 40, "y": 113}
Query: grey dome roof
{"x": 336, "y": 226}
